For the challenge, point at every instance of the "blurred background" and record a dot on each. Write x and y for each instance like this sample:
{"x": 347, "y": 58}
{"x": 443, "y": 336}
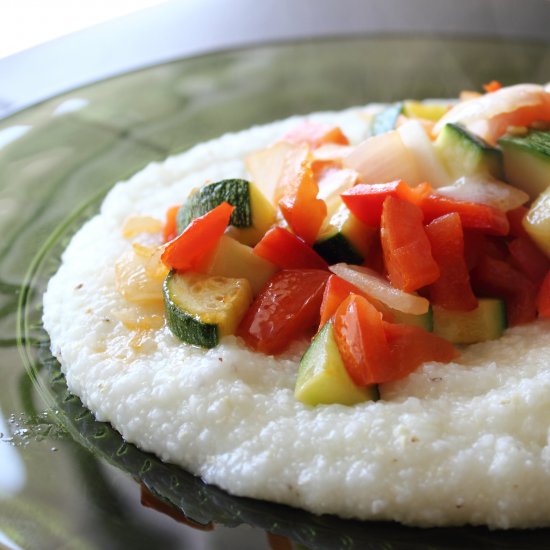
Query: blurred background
{"x": 49, "y": 47}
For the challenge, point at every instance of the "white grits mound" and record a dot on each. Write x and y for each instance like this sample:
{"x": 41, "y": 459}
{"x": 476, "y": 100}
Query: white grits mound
{"x": 463, "y": 443}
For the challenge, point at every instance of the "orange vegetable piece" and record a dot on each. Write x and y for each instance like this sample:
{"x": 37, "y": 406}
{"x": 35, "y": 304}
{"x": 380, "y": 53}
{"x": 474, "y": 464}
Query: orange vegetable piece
{"x": 361, "y": 340}
{"x": 411, "y": 346}
{"x": 492, "y": 86}
{"x": 194, "y": 247}
{"x": 287, "y": 251}
{"x": 300, "y": 206}
{"x": 170, "y": 230}
{"x": 407, "y": 251}
{"x": 286, "y": 309}
{"x": 453, "y": 289}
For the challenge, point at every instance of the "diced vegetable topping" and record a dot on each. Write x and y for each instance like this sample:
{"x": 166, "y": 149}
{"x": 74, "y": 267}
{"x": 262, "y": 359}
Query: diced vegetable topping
{"x": 365, "y": 248}
{"x": 200, "y": 309}
{"x": 288, "y": 251}
{"x": 193, "y": 249}
{"x": 287, "y": 308}
{"x": 407, "y": 252}
{"x": 452, "y": 290}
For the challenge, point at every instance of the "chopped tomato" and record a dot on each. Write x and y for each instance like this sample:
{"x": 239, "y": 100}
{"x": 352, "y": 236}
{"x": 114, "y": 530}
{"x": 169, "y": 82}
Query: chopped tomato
{"x": 478, "y": 244}
{"x": 543, "y": 298}
{"x": 337, "y": 290}
{"x": 472, "y": 215}
{"x": 515, "y": 218}
{"x": 170, "y": 230}
{"x": 453, "y": 289}
{"x": 492, "y": 86}
{"x": 300, "y": 206}
{"x": 286, "y": 308}
{"x": 411, "y": 346}
{"x": 361, "y": 340}
{"x": 192, "y": 250}
{"x": 315, "y": 134}
{"x": 365, "y": 200}
{"x": 288, "y": 251}
{"x": 375, "y": 256}
{"x": 526, "y": 256}
{"x": 497, "y": 278}
{"x": 407, "y": 250}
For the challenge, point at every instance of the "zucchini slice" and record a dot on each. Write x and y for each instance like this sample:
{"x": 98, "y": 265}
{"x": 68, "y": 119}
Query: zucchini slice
{"x": 200, "y": 309}
{"x": 424, "y": 320}
{"x": 466, "y": 154}
{"x": 537, "y": 221}
{"x": 527, "y": 161}
{"x": 486, "y": 322}
{"x": 344, "y": 239}
{"x": 323, "y": 378}
{"x": 253, "y": 214}
{"x": 233, "y": 259}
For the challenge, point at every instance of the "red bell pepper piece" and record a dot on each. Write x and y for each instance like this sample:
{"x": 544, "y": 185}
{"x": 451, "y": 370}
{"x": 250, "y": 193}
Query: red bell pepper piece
{"x": 543, "y": 297}
{"x": 337, "y": 290}
{"x": 407, "y": 250}
{"x": 192, "y": 250}
{"x": 170, "y": 230}
{"x": 365, "y": 200}
{"x": 286, "y": 308}
{"x": 300, "y": 206}
{"x": 472, "y": 215}
{"x": 315, "y": 134}
{"x": 498, "y": 278}
{"x": 515, "y": 219}
{"x": 288, "y": 251}
{"x": 526, "y": 256}
{"x": 411, "y": 346}
{"x": 361, "y": 340}
{"x": 453, "y": 289}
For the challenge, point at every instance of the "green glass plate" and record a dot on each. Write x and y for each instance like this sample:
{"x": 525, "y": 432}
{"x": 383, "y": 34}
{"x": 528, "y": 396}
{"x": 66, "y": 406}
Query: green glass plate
{"x": 59, "y": 158}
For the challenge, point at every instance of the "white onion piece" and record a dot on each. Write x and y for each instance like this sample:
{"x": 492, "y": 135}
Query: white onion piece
{"x": 486, "y": 190}
{"x": 270, "y": 168}
{"x": 373, "y": 284}
{"x": 475, "y": 113}
{"x": 384, "y": 158}
{"x": 332, "y": 184}
{"x": 419, "y": 144}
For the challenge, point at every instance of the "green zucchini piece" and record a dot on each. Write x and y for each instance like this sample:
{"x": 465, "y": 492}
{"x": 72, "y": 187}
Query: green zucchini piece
{"x": 486, "y": 322}
{"x": 386, "y": 120}
{"x": 344, "y": 239}
{"x": 465, "y": 154}
{"x": 253, "y": 213}
{"x": 527, "y": 161}
{"x": 323, "y": 378}
{"x": 537, "y": 221}
{"x": 425, "y": 320}
{"x": 200, "y": 309}
{"x": 233, "y": 259}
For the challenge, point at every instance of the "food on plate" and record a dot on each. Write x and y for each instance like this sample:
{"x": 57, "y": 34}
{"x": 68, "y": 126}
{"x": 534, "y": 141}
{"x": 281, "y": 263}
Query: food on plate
{"x": 345, "y": 312}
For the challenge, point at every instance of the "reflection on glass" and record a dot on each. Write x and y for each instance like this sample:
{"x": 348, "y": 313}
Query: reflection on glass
{"x": 5, "y": 541}
{"x": 12, "y": 470}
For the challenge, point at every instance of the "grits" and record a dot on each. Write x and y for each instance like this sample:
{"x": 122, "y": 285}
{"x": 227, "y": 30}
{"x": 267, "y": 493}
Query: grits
{"x": 455, "y": 444}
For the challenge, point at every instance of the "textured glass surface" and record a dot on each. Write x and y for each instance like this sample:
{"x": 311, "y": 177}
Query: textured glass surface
{"x": 69, "y": 481}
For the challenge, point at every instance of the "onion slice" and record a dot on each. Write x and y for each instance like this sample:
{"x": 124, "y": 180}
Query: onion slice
{"x": 384, "y": 158}
{"x": 486, "y": 190}
{"x": 373, "y": 284}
